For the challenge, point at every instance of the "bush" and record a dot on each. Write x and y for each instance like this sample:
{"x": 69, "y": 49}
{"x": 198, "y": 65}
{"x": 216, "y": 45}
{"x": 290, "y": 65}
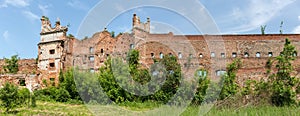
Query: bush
{"x": 24, "y": 96}
{"x": 9, "y": 96}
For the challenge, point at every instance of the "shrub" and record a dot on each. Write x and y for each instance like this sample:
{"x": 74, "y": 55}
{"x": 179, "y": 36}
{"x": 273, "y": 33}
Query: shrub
{"x": 9, "y": 96}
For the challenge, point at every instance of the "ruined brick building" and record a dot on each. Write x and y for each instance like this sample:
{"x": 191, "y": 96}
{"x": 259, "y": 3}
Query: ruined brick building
{"x": 57, "y": 51}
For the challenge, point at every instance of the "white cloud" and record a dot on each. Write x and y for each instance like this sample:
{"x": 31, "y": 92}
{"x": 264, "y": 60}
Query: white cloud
{"x": 5, "y": 35}
{"x": 257, "y": 13}
{"x": 78, "y": 5}
{"x": 16, "y": 3}
{"x": 297, "y": 30}
{"x": 31, "y": 16}
{"x": 44, "y": 9}
{"x": 299, "y": 18}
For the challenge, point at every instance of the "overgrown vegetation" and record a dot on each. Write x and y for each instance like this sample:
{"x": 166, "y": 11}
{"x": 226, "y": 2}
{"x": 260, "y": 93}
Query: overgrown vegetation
{"x": 13, "y": 97}
{"x": 11, "y": 64}
{"x": 279, "y": 89}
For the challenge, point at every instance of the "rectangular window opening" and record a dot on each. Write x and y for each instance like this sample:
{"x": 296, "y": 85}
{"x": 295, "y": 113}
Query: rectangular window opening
{"x": 52, "y": 65}
{"x": 52, "y": 51}
{"x": 22, "y": 82}
{"x": 223, "y": 55}
{"x": 234, "y": 54}
{"x": 212, "y": 54}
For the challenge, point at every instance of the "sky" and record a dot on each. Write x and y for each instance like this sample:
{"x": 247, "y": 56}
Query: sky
{"x": 20, "y": 19}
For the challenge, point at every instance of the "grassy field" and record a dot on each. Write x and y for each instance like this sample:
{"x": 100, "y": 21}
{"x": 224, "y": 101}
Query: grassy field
{"x": 54, "y": 108}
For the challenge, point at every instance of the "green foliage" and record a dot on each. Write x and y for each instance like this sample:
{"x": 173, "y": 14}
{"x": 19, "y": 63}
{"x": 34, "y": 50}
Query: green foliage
{"x": 202, "y": 87}
{"x": 173, "y": 78}
{"x": 280, "y": 31}
{"x": 67, "y": 82}
{"x": 112, "y": 34}
{"x": 9, "y": 96}
{"x": 33, "y": 100}
{"x": 262, "y": 29}
{"x": 62, "y": 95}
{"x": 249, "y": 89}
{"x": 229, "y": 84}
{"x": 24, "y": 96}
{"x": 11, "y": 65}
{"x": 283, "y": 82}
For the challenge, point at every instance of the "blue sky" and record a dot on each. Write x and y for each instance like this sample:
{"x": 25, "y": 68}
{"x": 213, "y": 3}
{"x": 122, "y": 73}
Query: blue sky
{"x": 20, "y": 25}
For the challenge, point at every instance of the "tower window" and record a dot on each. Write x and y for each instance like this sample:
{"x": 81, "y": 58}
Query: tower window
{"x": 91, "y": 58}
{"x": 91, "y": 49}
{"x": 22, "y": 82}
{"x": 131, "y": 46}
{"x": 102, "y": 51}
{"x": 52, "y": 51}
{"x": 52, "y": 65}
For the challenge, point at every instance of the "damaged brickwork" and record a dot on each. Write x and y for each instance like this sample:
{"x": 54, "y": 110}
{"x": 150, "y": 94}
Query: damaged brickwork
{"x": 25, "y": 77}
{"x": 192, "y": 51}
{"x": 58, "y": 52}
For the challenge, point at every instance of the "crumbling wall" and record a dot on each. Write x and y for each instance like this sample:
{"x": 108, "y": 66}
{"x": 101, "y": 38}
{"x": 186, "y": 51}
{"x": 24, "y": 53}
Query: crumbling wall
{"x": 26, "y": 66}
{"x": 23, "y": 80}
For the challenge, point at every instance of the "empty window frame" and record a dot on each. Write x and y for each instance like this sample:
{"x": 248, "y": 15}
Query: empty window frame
{"x": 161, "y": 55}
{"x": 92, "y": 70}
{"x": 152, "y": 55}
{"x": 257, "y": 54}
{"x": 131, "y": 46}
{"x": 22, "y": 82}
{"x": 212, "y": 54}
{"x": 52, "y": 51}
{"x": 295, "y": 54}
{"x": 201, "y": 55}
{"x": 91, "y": 58}
{"x": 179, "y": 55}
{"x": 190, "y": 55}
{"x": 270, "y": 54}
{"x": 222, "y": 55}
{"x": 220, "y": 72}
{"x": 246, "y": 54}
{"x": 202, "y": 73}
{"x": 101, "y": 51}
{"x": 52, "y": 65}
{"x": 91, "y": 50}
{"x": 234, "y": 55}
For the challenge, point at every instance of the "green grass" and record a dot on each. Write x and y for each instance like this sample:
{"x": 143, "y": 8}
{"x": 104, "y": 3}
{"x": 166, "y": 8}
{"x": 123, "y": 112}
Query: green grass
{"x": 50, "y": 108}
{"x": 248, "y": 111}
{"x": 135, "y": 108}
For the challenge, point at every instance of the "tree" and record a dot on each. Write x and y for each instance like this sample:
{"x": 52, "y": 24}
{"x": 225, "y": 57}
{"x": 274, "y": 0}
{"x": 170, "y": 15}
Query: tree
{"x": 280, "y": 31}
{"x": 9, "y": 96}
{"x": 262, "y": 29}
{"x": 112, "y": 34}
{"x": 229, "y": 85}
{"x": 283, "y": 82}
{"x": 11, "y": 64}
